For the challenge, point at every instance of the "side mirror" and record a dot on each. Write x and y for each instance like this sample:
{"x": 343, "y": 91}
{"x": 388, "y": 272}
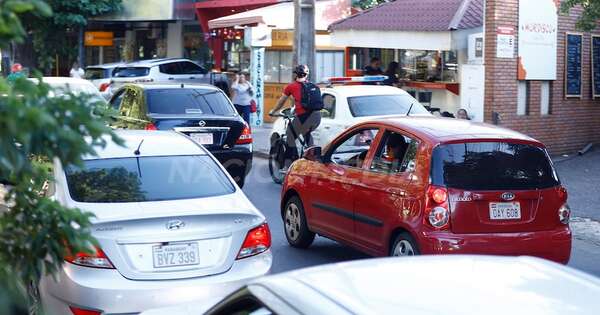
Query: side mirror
{"x": 313, "y": 154}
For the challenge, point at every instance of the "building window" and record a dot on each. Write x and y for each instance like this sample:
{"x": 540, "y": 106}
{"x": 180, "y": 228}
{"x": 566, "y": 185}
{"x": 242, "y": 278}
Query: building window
{"x": 278, "y": 66}
{"x": 523, "y": 98}
{"x": 545, "y": 98}
{"x": 329, "y": 64}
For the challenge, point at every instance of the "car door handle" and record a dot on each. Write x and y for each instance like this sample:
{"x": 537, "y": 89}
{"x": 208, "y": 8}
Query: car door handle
{"x": 338, "y": 171}
{"x": 326, "y": 127}
{"x": 192, "y": 78}
{"x": 171, "y": 78}
{"x": 396, "y": 191}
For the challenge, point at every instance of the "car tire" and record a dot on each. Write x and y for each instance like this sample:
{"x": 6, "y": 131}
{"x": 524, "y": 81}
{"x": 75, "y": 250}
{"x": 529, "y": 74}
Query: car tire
{"x": 295, "y": 225}
{"x": 404, "y": 245}
{"x": 277, "y": 161}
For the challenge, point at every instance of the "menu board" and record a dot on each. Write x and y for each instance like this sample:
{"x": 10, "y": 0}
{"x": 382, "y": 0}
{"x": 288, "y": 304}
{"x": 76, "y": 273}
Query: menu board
{"x": 595, "y": 66}
{"x": 574, "y": 42}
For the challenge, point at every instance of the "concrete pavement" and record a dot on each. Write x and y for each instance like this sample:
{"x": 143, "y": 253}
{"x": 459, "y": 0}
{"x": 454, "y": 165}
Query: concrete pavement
{"x": 261, "y": 138}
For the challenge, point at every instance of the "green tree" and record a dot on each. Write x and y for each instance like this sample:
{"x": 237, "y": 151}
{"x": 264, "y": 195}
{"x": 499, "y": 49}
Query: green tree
{"x": 590, "y": 16}
{"x": 50, "y": 34}
{"x": 37, "y": 232}
{"x": 367, "y": 4}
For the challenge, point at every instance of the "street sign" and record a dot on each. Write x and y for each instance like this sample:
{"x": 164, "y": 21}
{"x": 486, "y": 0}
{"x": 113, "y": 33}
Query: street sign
{"x": 98, "y": 38}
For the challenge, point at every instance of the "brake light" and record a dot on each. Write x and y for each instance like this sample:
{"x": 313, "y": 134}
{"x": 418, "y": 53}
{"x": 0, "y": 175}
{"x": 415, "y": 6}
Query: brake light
{"x": 95, "y": 260}
{"x": 437, "y": 213}
{"x": 81, "y": 311}
{"x": 103, "y": 87}
{"x": 257, "y": 241}
{"x": 151, "y": 126}
{"x": 564, "y": 214}
{"x": 246, "y": 136}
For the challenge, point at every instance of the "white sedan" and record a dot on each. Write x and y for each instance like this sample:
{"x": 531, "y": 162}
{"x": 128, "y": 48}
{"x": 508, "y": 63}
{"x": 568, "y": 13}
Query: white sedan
{"x": 171, "y": 224}
{"x": 347, "y": 105}
{"x": 60, "y": 86}
{"x": 425, "y": 285}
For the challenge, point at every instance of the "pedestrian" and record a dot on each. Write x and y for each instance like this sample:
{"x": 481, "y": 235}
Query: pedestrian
{"x": 374, "y": 68}
{"x": 462, "y": 114}
{"x": 16, "y": 71}
{"x": 76, "y": 71}
{"x": 242, "y": 96}
{"x": 391, "y": 73}
{"x": 307, "y": 106}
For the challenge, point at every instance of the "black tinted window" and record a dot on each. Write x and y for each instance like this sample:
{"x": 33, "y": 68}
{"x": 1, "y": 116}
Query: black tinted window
{"x": 147, "y": 179}
{"x": 492, "y": 166}
{"x": 188, "y": 101}
{"x": 379, "y": 105}
{"x": 170, "y": 68}
{"x": 131, "y": 72}
{"x": 191, "y": 68}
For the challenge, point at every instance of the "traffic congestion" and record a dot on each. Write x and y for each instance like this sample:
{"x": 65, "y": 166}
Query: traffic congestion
{"x": 377, "y": 172}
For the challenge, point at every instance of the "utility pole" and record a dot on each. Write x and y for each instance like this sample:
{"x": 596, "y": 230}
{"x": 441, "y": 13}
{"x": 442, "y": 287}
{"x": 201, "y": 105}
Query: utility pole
{"x": 304, "y": 34}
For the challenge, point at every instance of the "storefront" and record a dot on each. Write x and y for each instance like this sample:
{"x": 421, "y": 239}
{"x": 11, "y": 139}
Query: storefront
{"x": 268, "y": 32}
{"x": 434, "y": 52}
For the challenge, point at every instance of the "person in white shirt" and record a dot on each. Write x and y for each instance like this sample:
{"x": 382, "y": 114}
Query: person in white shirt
{"x": 242, "y": 96}
{"x": 76, "y": 72}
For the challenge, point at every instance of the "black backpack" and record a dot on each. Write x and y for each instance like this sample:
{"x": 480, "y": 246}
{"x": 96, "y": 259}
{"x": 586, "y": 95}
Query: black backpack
{"x": 311, "y": 97}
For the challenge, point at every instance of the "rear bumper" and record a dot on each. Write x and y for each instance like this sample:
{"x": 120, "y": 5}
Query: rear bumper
{"x": 108, "y": 291}
{"x": 239, "y": 157}
{"x": 553, "y": 245}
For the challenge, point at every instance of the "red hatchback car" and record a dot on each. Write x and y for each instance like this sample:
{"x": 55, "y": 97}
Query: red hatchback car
{"x": 420, "y": 185}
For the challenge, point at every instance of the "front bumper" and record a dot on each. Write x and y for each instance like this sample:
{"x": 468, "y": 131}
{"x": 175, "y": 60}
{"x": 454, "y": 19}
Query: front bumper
{"x": 553, "y": 245}
{"x": 108, "y": 291}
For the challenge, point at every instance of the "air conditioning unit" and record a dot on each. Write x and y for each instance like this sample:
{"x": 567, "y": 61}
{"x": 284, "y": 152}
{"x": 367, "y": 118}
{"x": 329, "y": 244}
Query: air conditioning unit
{"x": 476, "y": 48}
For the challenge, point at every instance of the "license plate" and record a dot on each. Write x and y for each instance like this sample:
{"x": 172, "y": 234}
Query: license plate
{"x": 175, "y": 255}
{"x": 202, "y": 138}
{"x": 505, "y": 210}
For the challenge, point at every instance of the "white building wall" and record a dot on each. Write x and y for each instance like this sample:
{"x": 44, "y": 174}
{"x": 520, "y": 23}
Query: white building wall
{"x": 175, "y": 40}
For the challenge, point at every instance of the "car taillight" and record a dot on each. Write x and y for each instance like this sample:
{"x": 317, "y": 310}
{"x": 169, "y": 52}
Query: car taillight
{"x": 151, "y": 126}
{"x": 246, "y": 136}
{"x": 81, "y": 311}
{"x": 103, "y": 87}
{"x": 564, "y": 214}
{"x": 257, "y": 241}
{"x": 96, "y": 260}
{"x": 437, "y": 213}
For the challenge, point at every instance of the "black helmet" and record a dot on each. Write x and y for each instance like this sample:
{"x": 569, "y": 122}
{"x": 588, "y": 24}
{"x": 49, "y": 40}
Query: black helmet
{"x": 301, "y": 71}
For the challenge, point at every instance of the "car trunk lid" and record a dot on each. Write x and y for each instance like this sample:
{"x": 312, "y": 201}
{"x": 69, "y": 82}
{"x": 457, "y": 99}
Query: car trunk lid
{"x": 213, "y": 132}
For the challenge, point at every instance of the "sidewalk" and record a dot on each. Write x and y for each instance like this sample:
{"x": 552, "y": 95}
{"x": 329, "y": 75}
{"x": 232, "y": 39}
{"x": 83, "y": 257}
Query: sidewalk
{"x": 261, "y": 140}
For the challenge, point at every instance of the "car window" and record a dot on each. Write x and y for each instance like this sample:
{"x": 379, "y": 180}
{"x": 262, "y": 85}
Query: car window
{"x": 188, "y": 101}
{"x": 191, "y": 68}
{"x": 353, "y": 150}
{"x": 115, "y": 102}
{"x": 396, "y": 154}
{"x": 147, "y": 179}
{"x": 492, "y": 166}
{"x": 95, "y": 73}
{"x": 245, "y": 304}
{"x": 328, "y": 106}
{"x": 379, "y": 105}
{"x": 129, "y": 72}
{"x": 170, "y": 68}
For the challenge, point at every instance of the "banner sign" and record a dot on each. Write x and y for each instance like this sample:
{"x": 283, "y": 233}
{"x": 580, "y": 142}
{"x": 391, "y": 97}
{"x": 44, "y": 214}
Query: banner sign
{"x": 538, "y": 25}
{"x": 257, "y": 74}
{"x": 573, "y": 54}
{"x": 505, "y": 47}
{"x": 596, "y": 66}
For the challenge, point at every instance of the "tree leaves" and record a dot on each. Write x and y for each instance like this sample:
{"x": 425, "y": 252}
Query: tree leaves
{"x": 590, "y": 16}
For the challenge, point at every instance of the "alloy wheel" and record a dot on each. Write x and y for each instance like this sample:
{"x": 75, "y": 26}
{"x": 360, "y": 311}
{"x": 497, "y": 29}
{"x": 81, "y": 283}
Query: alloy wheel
{"x": 292, "y": 222}
{"x": 403, "y": 248}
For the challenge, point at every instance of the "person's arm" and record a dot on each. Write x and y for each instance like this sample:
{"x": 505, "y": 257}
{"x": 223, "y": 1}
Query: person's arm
{"x": 235, "y": 83}
{"x": 279, "y": 104}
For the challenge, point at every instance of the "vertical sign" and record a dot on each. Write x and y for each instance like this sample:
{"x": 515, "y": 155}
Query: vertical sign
{"x": 258, "y": 73}
{"x": 505, "y": 47}
{"x": 538, "y": 25}
{"x": 573, "y": 54}
{"x": 595, "y": 66}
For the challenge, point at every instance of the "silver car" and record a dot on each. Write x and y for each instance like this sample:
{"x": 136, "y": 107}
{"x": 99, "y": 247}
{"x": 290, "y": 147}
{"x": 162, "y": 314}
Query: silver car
{"x": 171, "y": 224}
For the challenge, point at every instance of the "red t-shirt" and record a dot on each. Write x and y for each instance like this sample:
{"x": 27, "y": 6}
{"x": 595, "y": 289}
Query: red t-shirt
{"x": 295, "y": 90}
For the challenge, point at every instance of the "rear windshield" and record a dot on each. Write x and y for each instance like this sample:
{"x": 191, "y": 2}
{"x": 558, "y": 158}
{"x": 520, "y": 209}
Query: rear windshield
{"x": 379, "y": 105}
{"x": 188, "y": 101}
{"x": 129, "y": 72}
{"x": 96, "y": 73}
{"x": 492, "y": 166}
{"x": 147, "y": 179}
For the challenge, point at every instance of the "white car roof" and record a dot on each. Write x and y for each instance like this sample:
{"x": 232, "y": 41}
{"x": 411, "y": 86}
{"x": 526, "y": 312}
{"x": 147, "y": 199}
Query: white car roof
{"x": 363, "y": 90}
{"x": 154, "y": 62}
{"x": 430, "y": 285}
{"x": 106, "y": 65}
{"x": 156, "y": 143}
{"x": 63, "y": 80}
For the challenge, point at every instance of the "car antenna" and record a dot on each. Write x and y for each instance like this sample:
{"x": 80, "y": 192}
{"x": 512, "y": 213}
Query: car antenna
{"x": 409, "y": 109}
{"x": 137, "y": 151}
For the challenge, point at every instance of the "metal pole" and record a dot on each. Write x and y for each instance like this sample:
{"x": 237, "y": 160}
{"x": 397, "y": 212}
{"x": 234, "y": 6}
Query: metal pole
{"x": 304, "y": 35}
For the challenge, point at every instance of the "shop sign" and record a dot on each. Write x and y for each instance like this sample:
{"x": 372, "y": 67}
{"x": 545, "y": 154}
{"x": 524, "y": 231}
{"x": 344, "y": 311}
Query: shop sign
{"x": 98, "y": 38}
{"x": 505, "y": 44}
{"x": 596, "y": 66}
{"x": 282, "y": 38}
{"x": 538, "y": 25}
{"x": 573, "y": 58}
{"x": 257, "y": 75}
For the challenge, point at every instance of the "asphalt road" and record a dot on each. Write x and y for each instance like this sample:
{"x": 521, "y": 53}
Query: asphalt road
{"x": 265, "y": 195}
